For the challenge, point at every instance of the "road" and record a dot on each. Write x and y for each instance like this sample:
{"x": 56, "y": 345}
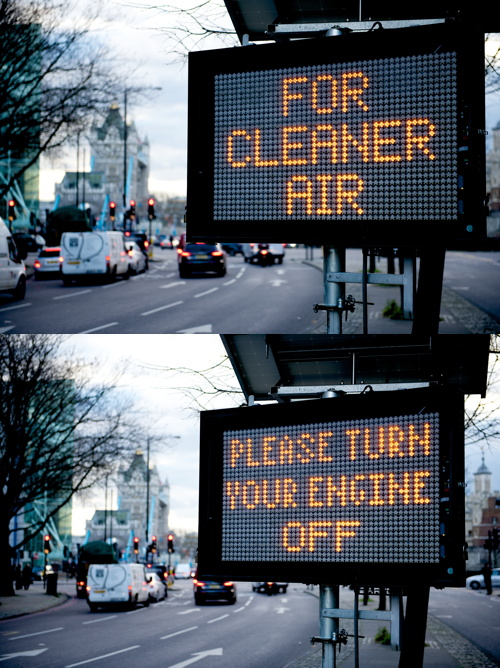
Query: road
{"x": 248, "y": 299}
{"x": 475, "y": 276}
{"x": 257, "y": 631}
{"x": 473, "y": 614}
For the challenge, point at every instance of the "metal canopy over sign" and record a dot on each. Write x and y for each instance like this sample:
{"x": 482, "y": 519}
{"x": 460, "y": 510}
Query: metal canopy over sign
{"x": 360, "y": 139}
{"x": 259, "y": 18}
{"x": 364, "y": 490}
{"x": 264, "y": 363}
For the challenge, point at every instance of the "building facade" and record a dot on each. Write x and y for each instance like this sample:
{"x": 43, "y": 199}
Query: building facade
{"x": 482, "y": 511}
{"x": 143, "y": 508}
{"x": 119, "y": 169}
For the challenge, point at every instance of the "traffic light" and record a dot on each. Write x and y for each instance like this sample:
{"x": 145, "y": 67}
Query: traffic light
{"x": 46, "y": 544}
{"x": 112, "y": 210}
{"x": 153, "y": 544}
{"x": 151, "y": 208}
{"x": 12, "y": 213}
{"x": 132, "y": 209}
{"x": 170, "y": 539}
{"x": 136, "y": 545}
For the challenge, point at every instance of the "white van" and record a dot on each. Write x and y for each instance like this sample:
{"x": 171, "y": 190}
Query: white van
{"x": 113, "y": 584}
{"x": 12, "y": 267}
{"x": 85, "y": 254}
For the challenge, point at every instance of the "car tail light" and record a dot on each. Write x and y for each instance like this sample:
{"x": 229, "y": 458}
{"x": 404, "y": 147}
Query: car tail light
{"x": 216, "y": 253}
{"x": 87, "y": 588}
{"x": 146, "y": 244}
{"x": 37, "y": 264}
{"x": 200, "y": 584}
{"x": 81, "y": 584}
{"x": 228, "y": 583}
{"x": 130, "y": 253}
{"x": 185, "y": 253}
{"x": 61, "y": 259}
{"x": 129, "y": 587}
{"x": 264, "y": 252}
{"x": 108, "y": 258}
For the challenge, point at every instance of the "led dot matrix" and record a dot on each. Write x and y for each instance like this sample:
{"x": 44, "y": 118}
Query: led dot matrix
{"x": 369, "y": 139}
{"x": 362, "y": 490}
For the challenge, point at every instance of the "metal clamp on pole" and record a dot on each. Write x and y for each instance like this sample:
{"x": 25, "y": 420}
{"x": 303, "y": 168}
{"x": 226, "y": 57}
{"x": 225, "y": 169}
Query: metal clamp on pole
{"x": 339, "y": 638}
{"x": 344, "y": 305}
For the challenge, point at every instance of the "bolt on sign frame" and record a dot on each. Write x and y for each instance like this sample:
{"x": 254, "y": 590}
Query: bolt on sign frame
{"x": 365, "y": 489}
{"x": 372, "y": 138}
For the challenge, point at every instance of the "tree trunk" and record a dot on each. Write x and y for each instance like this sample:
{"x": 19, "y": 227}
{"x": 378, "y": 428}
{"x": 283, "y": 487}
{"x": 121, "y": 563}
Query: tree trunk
{"x": 6, "y": 567}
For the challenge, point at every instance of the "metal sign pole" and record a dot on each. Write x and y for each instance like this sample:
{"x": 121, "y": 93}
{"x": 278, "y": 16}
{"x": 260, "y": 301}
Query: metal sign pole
{"x": 328, "y": 626}
{"x": 333, "y": 261}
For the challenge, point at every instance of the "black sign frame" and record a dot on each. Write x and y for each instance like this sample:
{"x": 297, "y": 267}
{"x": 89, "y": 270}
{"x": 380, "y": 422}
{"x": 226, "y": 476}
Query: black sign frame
{"x": 468, "y": 227}
{"x": 450, "y": 571}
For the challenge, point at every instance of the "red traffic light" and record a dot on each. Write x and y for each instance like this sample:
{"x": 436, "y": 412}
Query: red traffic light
{"x": 151, "y": 201}
{"x": 132, "y": 202}
{"x": 12, "y": 213}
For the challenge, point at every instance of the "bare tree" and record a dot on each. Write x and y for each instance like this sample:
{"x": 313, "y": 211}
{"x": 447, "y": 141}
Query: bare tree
{"x": 206, "y": 24}
{"x": 54, "y": 80}
{"x": 61, "y": 431}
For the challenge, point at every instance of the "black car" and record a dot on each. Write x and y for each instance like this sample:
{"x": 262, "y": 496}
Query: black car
{"x": 209, "y": 590}
{"x": 233, "y": 249}
{"x": 140, "y": 238}
{"x": 201, "y": 257}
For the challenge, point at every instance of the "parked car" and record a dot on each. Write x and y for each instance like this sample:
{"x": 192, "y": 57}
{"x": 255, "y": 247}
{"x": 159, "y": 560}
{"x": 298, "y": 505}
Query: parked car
{"x": 157, "y": 588}
{"x": 201, "y": 257}
{"x": 138, "y": 262}
{"x": 85, "y": 254}
{"x": 210, "y": 590}
{"x": 477, "y": 581}
{"x": 47, "y": 262}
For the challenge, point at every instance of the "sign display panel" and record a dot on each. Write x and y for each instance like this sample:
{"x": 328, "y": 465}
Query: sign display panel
{"x": 359, "y": 131}
{"x": 340, "y": 486}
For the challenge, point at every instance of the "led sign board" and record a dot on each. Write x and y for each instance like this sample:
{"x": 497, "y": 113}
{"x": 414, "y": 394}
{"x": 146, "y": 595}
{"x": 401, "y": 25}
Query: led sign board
{"x": 365, "y": 138}
{"x": 359, "y": 488}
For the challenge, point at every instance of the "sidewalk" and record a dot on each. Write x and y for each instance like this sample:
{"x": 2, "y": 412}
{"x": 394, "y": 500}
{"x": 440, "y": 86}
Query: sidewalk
{"x": 35, "y": 599}
{"x": 458, "y": 316}
{"x": 444, "y": 648}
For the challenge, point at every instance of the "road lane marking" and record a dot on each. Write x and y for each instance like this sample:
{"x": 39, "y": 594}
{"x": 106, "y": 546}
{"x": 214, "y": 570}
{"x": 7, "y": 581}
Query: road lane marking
{"x": 233, "y": 280}
{"x": 172, "y": 285}
{"x": 239, "y": 609}
{"x": 103, "y": 656}
{"x": 38, "y": 633}
{"x": 199, "y": 329}
{"x": 196, "y": 656}
{"x": 249, "y": 601}
{"x": 30, "y": 652}
{"x": 100, "y": 619}
{"x": 72, "y": 294}
{"x": 188, "y": 612}
{"x": 96, "y": 329}
{"x": 217, "y": 619}
{"x": 207, "y": 292}
{"x": 161, "y": 308}
{"x": 11, "y": 308}
{"x": 178, "y": 633}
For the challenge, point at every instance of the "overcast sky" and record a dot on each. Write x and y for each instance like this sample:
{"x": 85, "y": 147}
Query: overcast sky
{"x": 165, "y": 410}
{"x": 135, "y": 31}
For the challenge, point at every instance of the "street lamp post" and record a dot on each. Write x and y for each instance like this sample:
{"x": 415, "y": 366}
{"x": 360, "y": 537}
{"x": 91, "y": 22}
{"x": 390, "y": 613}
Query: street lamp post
{"x": 125, "y": 133}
